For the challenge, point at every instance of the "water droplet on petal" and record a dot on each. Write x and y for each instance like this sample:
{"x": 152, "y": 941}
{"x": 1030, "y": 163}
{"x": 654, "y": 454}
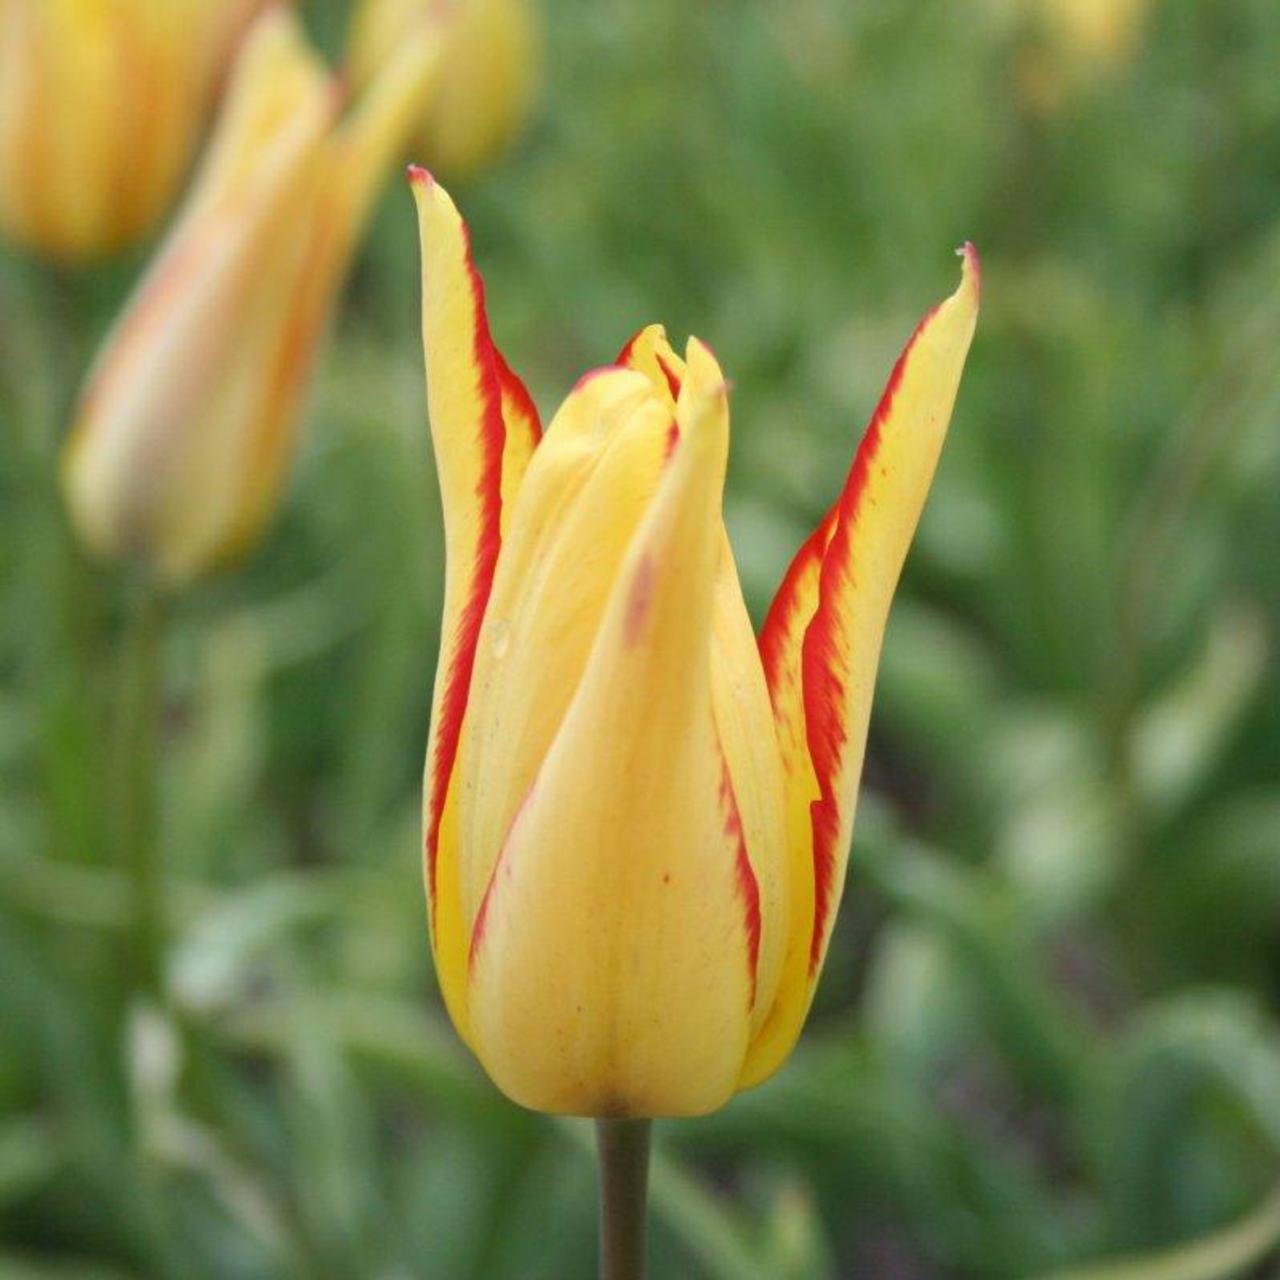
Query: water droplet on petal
{"x": 501, "y": 640}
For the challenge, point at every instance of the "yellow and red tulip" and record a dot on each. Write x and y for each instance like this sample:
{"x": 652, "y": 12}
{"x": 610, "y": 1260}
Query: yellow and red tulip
{"x": 101, "y": 103}
{"x": 186, "y": 425}
{"x": 488, "y": 73}
{"x": 637, "y": 816}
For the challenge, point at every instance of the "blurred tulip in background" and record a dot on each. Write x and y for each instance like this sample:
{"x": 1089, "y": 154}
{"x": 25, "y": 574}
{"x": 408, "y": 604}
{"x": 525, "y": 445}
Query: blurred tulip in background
{"x": 1067, "y": 46}
{"x": 1105, "y": 32}
{"x": 488, "y": 78}
{"x": 185, "y": 428}
{"x": 101, "y": 106}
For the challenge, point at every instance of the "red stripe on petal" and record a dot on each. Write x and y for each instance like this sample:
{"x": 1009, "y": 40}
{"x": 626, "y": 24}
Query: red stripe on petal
{"x": 624, "y": 356}
{"x": 823, "y": 689}
{"x": 482, "y": 917}
{"x": 626, "y": 359}
{"x": 781, "y": 620}
{"x": 639, "y": 601}
{"x": 492, "y": 431}
{"x": 515, "y": 391}
{"x": 748, "y": 886}
{"x": 672, "y": 377}
{"x": 503, "y": 864}
{"x": 673, "y": 439}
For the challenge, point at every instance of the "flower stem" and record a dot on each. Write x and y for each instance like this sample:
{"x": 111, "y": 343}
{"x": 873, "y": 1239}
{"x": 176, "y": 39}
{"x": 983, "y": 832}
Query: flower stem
{"x": 623, "y": 1147}
{"x": 138, "y": 746}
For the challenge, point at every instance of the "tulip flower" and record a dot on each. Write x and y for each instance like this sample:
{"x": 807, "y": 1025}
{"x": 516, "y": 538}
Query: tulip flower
{"x": 1067, "y": 46}
{"x": 101, "y": 103}
{"x": 186, "y": 424}
{"x": 1103, "y": 33}
{"x": 637, "y": 815}
{"x": 488, "y": 71}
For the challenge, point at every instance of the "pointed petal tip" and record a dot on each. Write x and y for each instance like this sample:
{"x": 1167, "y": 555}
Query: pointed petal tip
{"x": 428, "y": 193}
{"x": 972, "y": 269}
{"x": 703, "y": 375}
{"x": 696, "y": 350}
{"x": 702, "y": 410}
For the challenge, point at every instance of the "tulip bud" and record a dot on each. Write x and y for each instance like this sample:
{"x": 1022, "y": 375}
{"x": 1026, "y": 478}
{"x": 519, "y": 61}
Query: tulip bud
{"x": 1067, "y": 46}
{"x": 186, "y": 425}
{"x": 1102, "y": 33}
{"x": 488, "y": 71}
{"x": 637, "y": 817}
{"x": 101, "y": 102}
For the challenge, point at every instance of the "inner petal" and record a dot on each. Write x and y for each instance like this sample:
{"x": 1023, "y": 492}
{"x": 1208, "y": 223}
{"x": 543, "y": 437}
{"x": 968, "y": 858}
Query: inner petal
{"x": 588, "y": 485}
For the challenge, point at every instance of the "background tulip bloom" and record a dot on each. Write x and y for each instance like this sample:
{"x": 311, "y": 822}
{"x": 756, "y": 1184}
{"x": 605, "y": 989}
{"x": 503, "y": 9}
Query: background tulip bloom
{"x": 489, "y": 71}
{"x": 637, "y": 817}
{"x": 186, "y": 424}
{"x": 101, "y": 102}
{"x": 1068, "y": 46}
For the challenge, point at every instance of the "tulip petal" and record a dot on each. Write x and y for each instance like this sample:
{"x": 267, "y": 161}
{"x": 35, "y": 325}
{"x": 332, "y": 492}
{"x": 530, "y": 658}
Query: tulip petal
{"x": 203, "y": 327}
{"x": 586, "y": 491}
{"x": 745, "y": 729}
{"x": 741, "y": 700}
{"x": 357, "y": 158}
{"x": 820, "y": 645}
{"x": 524, "y": 431}
{"x": 488, "y": 73}
{"x": 479, "y": 467}
{"x": 99, "y": 107}
{"x": 492, "y": 72}
{"x": 650, "y": 353}
{"x": 610, "y": 962}
{"x": 275, "y": 72}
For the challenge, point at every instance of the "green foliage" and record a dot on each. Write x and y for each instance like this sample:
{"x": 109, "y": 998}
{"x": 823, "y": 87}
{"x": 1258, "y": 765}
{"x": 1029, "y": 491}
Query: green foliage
{"x": 1048, "y": 1037}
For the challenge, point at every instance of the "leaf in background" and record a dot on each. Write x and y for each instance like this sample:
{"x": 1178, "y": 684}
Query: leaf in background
{"x": 216, "y": 958}
{"x": 30, "y": 1155}
{"x": 1188, "y": 1123}
{"x": 1220, "y": 1256}
{"x": 1185, "y": 733}
{"x": 795, "y": 1244}
{"x": 1057, "y": 838}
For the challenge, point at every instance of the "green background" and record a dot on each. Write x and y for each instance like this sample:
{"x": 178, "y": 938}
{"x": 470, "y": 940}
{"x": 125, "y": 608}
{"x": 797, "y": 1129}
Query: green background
{"x": 1047, "y": 1033}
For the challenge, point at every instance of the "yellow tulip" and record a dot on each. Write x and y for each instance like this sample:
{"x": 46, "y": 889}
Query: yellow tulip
{"x": 1068, "y": 46}
{"x": 637, "y": 816}
{"x": 101, "y": 102}
{"x": 186, "y": 424}
{"x": 1101, "y": 33}
{"x": 489, "y": 71}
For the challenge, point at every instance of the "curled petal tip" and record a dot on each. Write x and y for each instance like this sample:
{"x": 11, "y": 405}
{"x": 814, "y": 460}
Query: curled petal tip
{"x": 418, "y": 176}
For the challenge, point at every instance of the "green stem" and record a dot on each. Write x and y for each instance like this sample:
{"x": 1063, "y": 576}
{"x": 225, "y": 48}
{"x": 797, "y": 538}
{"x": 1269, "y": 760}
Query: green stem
{"x": 623, "y": 1147}
{"x": 138, "y": 746}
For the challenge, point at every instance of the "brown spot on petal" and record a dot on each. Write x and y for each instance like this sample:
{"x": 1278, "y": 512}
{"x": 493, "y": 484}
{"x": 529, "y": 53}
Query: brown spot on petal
{"x": 639, "y": 602}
